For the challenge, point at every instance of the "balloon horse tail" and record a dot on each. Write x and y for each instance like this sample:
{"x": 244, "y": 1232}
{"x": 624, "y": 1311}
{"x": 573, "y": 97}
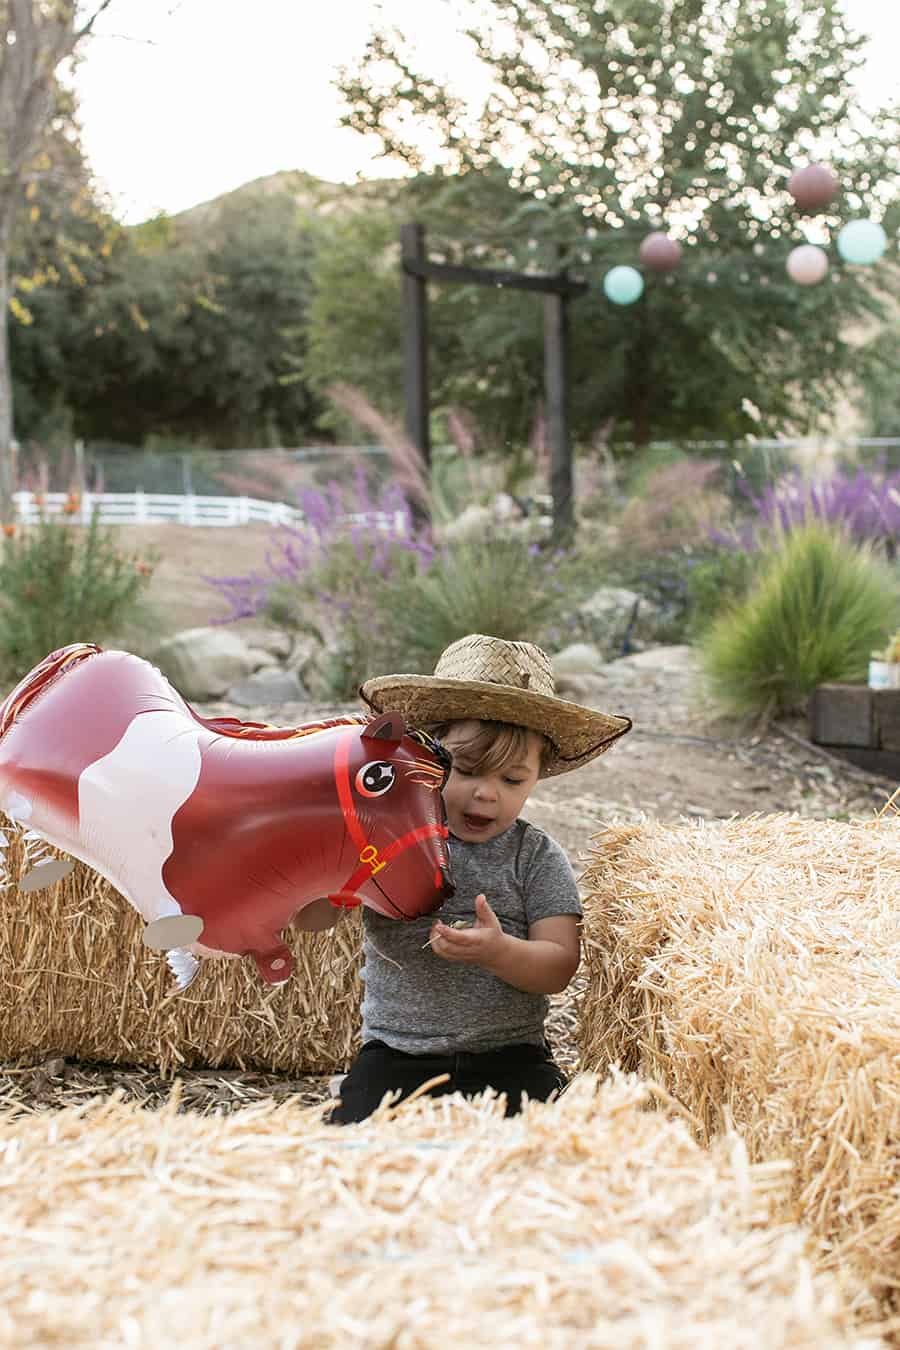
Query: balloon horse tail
{"x": 39, "y": 868}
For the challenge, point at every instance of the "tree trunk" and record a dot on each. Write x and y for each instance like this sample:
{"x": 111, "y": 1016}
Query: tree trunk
{"x": 7, "y": 459}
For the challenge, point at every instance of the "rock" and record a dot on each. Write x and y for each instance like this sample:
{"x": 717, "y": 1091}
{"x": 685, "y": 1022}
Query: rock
{"x": 262, "y": 660}
{"x": 275, "y": 641}
{"x": 473, "y": 521}
{"x": 506, "y": 507}
{"x": 592, "y": 691}
{"x": 202, "y": 663}
{"x": 267, "y": 688}
{"x": 325, "y": 674}
{"x": 580, "y": 658}
{"x": 610, "y": 601}
{"x": 674, "y": 660}
{"x": 305, "y": 649}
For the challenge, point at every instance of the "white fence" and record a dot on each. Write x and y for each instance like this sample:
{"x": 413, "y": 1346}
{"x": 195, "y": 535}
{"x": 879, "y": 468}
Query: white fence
{"x": 149, "y": 508}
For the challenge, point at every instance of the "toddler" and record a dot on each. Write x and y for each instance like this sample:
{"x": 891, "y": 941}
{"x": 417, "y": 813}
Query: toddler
{"x": 463, "y": 996}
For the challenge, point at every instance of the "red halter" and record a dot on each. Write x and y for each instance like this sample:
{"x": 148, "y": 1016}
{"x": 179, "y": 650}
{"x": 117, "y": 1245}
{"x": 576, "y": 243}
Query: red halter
{"x": 371, "y": 861}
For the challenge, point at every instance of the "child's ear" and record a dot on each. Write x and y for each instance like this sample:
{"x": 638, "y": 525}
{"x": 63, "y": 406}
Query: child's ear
{"x": 388, "y": 729}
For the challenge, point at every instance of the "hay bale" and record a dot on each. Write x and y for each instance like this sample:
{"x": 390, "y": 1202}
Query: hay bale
{"x": 77, "y": 981}
{"x": 751, "y": 968}
{"x": 588, "y": 1223}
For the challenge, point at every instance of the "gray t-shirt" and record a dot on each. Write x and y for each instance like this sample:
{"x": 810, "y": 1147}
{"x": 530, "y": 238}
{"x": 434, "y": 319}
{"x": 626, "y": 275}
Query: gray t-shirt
{"x": 418, "y": 1002}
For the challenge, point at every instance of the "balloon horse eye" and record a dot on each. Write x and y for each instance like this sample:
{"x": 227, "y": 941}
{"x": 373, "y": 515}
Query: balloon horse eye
{"x": 375, "y": 779}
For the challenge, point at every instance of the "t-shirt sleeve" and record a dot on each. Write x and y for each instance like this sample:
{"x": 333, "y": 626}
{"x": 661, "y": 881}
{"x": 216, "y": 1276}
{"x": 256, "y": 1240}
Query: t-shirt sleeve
{"x": 550, "y": 887}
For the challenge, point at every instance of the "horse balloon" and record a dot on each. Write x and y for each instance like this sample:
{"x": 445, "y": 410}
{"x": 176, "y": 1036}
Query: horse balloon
{"x": 217, "y": 828}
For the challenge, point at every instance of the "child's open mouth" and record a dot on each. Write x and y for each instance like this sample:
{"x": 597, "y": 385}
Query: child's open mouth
{"x": 477, "y": 822}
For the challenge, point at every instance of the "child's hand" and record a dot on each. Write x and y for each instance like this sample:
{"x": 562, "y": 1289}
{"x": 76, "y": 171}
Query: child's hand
{"x": 479, "y": 945}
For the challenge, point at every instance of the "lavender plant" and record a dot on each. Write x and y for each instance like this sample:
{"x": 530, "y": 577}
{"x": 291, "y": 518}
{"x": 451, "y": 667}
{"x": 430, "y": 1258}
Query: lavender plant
{"x": 328, "y": 576}
{"x": 866, "y": 506}
{"x": 364, "y": 576}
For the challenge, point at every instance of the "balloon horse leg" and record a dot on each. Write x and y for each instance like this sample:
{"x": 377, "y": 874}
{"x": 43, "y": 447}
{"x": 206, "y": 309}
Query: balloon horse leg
{"x": 275, "y": 963}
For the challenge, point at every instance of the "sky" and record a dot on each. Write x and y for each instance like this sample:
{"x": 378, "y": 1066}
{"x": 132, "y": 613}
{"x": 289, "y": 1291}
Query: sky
{"x": 182, "y": 100}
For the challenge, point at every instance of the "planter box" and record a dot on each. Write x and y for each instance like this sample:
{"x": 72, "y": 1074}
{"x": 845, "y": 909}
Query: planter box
{"x": 861, "y": 725}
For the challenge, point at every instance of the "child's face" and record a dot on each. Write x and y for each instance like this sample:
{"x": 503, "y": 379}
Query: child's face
{"x": 481, "y": 806}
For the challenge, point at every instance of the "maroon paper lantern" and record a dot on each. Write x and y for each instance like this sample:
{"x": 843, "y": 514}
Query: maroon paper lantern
{"x": 813, "y": 187}
{"x": 659, "y": 253}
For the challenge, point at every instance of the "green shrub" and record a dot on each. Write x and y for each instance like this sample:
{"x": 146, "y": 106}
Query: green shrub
{"x": 716, "y": 582}
{"x": 61, "y": 583}
{"x": 821, "y": 604}
{"x": 345, "y": 598}
{"x": 502, "y": 586}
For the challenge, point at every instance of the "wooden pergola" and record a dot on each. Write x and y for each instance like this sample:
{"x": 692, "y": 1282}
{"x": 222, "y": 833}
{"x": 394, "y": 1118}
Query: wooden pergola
{"x": 558, "y": 290}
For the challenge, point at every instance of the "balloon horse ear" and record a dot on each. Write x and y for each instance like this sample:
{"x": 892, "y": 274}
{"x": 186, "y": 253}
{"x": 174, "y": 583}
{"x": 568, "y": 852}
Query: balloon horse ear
{"x": 387, "y": 729}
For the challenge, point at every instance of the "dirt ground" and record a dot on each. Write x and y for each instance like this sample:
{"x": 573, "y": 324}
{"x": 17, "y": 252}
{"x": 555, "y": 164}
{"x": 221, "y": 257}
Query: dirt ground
{"x": 681, "y": 759}
{"x": 178, "y": 594}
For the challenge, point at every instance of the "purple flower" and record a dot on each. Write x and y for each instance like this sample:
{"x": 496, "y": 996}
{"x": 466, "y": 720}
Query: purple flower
{"x": 867, "y": 506}
{"x": 340, "y": 520}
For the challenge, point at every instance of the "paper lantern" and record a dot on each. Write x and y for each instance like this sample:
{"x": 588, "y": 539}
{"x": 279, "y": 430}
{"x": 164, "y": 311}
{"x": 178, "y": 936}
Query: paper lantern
{"x": 659, "y": 253}
{"x": 813, "y": 187}
{"x": 807, "y": 264}
{"x": 623, "y": 285}
{"x": 861, "y": 241}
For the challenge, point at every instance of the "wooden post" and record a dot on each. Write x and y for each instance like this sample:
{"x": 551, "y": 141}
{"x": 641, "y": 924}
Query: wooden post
{"x": 415, "y": 342}
{"x": 556, "y": 360}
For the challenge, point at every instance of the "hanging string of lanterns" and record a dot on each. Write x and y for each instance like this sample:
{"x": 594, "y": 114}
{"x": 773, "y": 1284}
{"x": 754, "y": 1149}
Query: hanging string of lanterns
{"x": 859, "y": 242}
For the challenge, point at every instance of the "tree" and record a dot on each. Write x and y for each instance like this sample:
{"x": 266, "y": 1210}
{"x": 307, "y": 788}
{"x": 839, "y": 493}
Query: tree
{"x": 62, "y": 252}
{"x": 608, "y": 120}
{"x": 880, "y": 380}
{"x": 187, "y": 328}
{"x": 200, "y": 332}
{"x": 37, "y": 36}
{"x": 486, "y": 357}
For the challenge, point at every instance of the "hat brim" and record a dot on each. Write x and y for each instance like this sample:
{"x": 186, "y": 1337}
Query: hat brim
{"x": 577, "y": 734}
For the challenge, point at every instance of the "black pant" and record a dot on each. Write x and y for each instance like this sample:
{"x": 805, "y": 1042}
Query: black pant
{"x": 513, "y": 1070}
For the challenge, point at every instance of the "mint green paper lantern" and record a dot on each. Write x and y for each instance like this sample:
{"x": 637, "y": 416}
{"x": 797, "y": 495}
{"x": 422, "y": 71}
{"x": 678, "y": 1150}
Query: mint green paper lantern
{"x": 861, "y": 241}
{"x": 623, "y": 285}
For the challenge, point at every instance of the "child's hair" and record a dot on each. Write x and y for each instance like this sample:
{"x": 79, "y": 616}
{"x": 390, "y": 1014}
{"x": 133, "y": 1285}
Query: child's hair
{"x": 493, "y": 745}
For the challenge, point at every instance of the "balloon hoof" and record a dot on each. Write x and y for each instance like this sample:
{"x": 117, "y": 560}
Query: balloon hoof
{"x": 46, "y": 874}
{"x": 173, "y": 931}
{"x": 275, "y": 967}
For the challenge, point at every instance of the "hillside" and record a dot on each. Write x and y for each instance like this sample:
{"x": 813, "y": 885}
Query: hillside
{"x": 316, "y": 195}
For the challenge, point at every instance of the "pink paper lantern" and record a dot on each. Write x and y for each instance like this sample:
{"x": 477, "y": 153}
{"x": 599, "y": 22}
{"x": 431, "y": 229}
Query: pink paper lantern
{"x": 807, "y": 264}
{"x": 813, "y": 187}
{"x": 659, "y": 253}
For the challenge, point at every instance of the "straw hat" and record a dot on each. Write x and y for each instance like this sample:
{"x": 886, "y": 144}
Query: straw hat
{"x": 493, "y": 680}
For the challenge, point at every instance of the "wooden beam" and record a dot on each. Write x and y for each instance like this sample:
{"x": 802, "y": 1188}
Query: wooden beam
{"x": 419, "y": 266}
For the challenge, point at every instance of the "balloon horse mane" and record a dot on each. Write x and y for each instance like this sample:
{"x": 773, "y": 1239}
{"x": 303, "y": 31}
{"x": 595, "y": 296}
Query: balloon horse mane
{"x": 217, "y": 828}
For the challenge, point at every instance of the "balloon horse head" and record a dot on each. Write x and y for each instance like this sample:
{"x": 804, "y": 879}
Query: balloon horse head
{"x": 219, "y": 831}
